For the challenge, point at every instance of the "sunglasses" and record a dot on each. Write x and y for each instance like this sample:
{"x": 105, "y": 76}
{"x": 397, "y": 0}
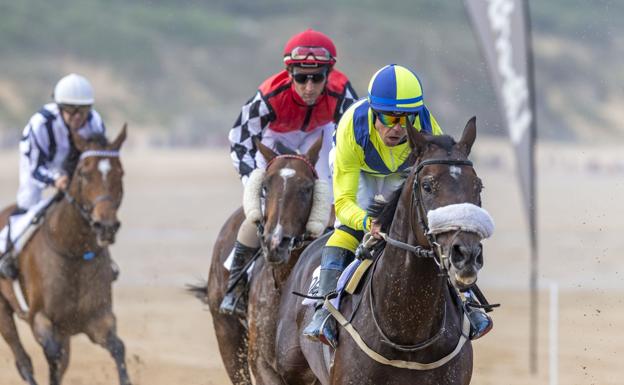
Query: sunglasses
{"x": 317, "y": 77}
{"x": 391, "y": 120}
{"x": 72, "y": 110}
{"x": 318, "y": 53}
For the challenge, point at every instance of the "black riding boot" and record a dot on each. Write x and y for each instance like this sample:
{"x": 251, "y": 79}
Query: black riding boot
{"x": 8, "y": 266}
{"x": 235, "y": 301}
{"x": 480, "y": 322}
{"x": 323, "y": 326}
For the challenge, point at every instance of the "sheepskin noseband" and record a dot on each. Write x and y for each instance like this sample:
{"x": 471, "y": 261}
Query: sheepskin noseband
{"x": 461, "y": 216}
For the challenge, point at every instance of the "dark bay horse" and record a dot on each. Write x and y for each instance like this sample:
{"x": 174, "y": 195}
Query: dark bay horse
{"x": 406, "y": 311}
{"x": 291, "y": 193}
{"x": 65, "y": 268}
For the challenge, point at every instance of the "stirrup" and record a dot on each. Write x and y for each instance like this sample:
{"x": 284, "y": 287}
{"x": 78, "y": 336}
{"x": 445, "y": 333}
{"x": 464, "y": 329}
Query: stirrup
{"x": 8, "y": 267}
{"x": 235, "y": 302}
{"x": 322, "y": 328}
{"x": 480, "y": 323}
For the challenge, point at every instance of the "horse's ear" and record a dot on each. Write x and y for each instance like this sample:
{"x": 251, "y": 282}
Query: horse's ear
{"x": 313, "y": 151}
{"x": 121, "y": 137}
{"x": 264, "y": 150}
{"x": 469, "y": 135}
{"x": 417, "y": 141}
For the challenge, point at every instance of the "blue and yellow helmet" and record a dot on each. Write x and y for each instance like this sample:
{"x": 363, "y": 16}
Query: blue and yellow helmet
{"x": 395, "y": 88}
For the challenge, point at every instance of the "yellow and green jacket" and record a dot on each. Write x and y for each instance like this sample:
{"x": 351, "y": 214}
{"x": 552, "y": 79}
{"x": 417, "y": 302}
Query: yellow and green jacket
{"x": 359, "y": 148}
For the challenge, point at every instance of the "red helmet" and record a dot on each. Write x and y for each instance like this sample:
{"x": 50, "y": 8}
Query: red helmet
{"x": 310, "y": 48}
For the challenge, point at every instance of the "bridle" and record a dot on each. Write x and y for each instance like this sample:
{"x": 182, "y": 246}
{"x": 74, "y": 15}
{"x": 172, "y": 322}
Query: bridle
{"x": 298, "y": 241}
{"x": 87, "y": 210}
{"x": 434, "y": 250}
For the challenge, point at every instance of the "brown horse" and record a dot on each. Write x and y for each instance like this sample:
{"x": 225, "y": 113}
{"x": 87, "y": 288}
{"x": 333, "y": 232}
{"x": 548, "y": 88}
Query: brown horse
{"x": 406, "y": 312}
{"x": 65, "y": 268}
{"x": 290, "y": 191}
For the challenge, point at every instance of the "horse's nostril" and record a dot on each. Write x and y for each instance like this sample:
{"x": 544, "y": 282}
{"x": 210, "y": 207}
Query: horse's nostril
{"x": 116, "y": 226}
{"x": 458, "y": 257}
{"x": 97, "y": 226}
{"x": 479, "y": 259}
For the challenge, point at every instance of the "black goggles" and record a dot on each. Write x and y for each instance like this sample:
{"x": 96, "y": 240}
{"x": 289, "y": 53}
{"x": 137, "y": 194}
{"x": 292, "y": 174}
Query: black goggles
{"x": 72, "y": 109}
{"x": 317, "y": 77}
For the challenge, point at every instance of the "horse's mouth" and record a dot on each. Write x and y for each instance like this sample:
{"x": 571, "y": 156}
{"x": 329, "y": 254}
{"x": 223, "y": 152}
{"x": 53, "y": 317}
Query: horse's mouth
{"x": 103, "y": 242}
{"x": 462, "y": 280}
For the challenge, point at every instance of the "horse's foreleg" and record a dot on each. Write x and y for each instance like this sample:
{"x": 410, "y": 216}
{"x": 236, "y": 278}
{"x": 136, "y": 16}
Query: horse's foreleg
{"x": 9, "y": 333}
{"x": 232, "y": 341}
{"x": 103, "y": 332}
{"x": 55, "y": 347}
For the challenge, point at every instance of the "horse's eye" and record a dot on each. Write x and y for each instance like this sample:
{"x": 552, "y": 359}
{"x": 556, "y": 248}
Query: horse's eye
{"x": 305, "y": 191}
{"x": 426, "y": 186}
{"x": 84, "y": 174}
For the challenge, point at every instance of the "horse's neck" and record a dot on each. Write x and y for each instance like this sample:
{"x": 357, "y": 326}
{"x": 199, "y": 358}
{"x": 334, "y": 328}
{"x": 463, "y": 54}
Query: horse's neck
{"x": 407, "y": 288}
{"x": 69, "y": 232}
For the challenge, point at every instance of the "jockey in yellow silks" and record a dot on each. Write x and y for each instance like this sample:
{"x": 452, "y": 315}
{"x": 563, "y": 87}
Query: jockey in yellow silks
{"x": 371, "y": 151}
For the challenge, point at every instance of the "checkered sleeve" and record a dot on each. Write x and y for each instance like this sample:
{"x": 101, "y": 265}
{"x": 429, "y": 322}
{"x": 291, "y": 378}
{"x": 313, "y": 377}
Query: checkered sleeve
{"x": 348, "y": 97}
{"x": 254, "y": 117}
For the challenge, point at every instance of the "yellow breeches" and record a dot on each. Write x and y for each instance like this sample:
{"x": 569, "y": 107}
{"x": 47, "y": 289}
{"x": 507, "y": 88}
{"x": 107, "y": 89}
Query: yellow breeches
{"x": 341, "y": 238}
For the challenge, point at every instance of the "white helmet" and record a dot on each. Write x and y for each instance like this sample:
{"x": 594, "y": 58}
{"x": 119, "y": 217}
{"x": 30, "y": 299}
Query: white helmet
{"x": 75, "y": 90}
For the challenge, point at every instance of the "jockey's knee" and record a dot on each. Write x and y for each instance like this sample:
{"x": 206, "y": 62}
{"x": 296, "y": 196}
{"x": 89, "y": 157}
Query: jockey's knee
{"x": 248, "y": 234}
{"x": 345, "y": 238}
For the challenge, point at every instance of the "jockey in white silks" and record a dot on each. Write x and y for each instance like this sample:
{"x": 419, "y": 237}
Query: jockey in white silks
{"x": 48, "y": 157}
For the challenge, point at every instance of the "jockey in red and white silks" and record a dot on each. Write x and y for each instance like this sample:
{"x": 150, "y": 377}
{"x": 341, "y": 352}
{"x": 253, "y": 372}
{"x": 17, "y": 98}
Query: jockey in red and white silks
{"x": 294, "y": 107}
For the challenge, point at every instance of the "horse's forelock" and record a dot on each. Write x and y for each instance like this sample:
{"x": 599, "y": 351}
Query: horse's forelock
{"x": 445, "y": 142}
{"x": 98, "y": 140}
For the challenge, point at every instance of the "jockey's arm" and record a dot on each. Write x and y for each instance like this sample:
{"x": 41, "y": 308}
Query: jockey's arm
{"x": 32, "y": 147}
{"x": 252, "y": 120}
{"x": 347, "y": 165}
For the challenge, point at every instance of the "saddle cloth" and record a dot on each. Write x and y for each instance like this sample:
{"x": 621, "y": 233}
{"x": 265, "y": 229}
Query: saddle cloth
{"x": 340, "y": 286}
{"x": 21, "y": 227}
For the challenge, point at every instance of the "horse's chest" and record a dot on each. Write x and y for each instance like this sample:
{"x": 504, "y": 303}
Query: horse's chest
{"x": 76, "y": 297}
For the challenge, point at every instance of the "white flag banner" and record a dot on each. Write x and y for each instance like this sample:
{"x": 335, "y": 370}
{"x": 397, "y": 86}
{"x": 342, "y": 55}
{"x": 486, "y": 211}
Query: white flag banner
{"x": 503, "y": 30}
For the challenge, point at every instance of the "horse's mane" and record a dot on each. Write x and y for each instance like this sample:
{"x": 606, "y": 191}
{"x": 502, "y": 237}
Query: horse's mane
{"x": 383, "y": 212}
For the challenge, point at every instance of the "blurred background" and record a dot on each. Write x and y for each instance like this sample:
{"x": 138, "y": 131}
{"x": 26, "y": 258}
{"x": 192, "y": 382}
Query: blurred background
{"x": 178, "y": 73}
